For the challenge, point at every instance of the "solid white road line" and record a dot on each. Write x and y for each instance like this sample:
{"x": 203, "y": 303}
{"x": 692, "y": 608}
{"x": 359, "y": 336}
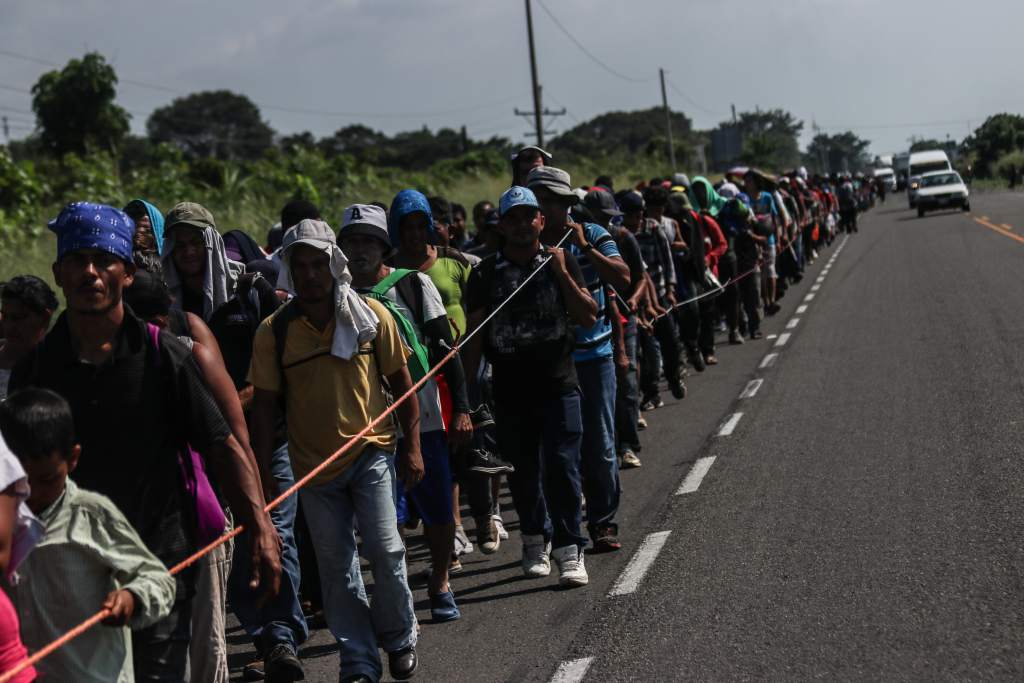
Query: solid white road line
{"x": 751, "y": 389}
{"x": 696, "y": 475}
{"x": 783, "y": 338}
{"x": 768, "y": 361}
{"x": 793, "y": 322}
{"x": 572, "y": 671}
{"x": 809, "y": 297}
{"x": 634, "y": 572}
{"x": 815, "y": 288}
{"x": 729, "y": 425}
{"x": 802, "y": 308}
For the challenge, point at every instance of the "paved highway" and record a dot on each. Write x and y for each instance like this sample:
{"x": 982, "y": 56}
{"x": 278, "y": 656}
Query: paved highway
{"x": 840, "y": 500}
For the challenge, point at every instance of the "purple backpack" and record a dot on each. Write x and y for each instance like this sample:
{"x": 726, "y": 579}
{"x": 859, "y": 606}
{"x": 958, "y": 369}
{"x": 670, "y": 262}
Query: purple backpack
{"x": 209, "y": 516}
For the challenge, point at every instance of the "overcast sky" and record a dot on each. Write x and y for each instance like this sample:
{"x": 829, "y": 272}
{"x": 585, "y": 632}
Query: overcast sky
{"x": 887, "y": 69}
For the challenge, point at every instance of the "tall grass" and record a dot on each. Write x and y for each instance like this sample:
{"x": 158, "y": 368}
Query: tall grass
{"x": 239, "y": 208}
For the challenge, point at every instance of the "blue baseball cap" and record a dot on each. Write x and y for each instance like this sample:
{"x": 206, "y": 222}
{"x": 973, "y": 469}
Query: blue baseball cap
{"x": 516, "y": 196}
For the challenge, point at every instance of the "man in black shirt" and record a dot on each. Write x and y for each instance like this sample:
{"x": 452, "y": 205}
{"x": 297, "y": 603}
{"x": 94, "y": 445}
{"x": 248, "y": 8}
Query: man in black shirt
{"x": 530, "y": 343}
{"x": 136, "y": 405}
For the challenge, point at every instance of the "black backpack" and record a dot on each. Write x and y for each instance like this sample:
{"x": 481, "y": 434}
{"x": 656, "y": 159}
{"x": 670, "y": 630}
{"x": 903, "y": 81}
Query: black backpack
{"x": 234, "y": 323}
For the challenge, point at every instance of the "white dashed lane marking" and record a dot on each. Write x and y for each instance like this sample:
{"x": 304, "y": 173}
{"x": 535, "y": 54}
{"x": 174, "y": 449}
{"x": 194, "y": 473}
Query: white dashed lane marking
{"x": 768, "y": 361}
{"x": 783, "y": 339}
{"x": 637, "y": 568}
{"x": 802, "y": 308}
{"x": 815, "y": 287}
{"x": 729, "y": 425}
{"x": 696, "y": 475}
{"x": 572, "y": 671}
{"x": 793, "y": 322}
{"x": 809, "y": 297}
{"x": 751, "y": 389}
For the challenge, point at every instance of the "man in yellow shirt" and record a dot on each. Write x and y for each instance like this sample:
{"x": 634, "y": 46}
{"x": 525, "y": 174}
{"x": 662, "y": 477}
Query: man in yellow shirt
{"x": 328, "y": 356}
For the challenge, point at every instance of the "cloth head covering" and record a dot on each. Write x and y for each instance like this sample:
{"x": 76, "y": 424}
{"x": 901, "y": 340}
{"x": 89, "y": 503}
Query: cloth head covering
{"x": 219, "y": 277}
{"x": 405, "y": 203}
{"x": 355, "y": 323}
{"x": 27, "y": 528}
{"x": 156, "y": 220}
{"x": 84, "y": 225}
{"x": 728, "y": 190}
{"x": 715, "y": 200}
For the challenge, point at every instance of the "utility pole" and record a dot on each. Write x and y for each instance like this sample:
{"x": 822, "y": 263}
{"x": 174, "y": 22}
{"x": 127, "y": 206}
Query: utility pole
{"x": 538, "y": 122}
{"x": 7, "y": 132}
{"x": 668, "y": 120}
{"x": 539, "y": 112}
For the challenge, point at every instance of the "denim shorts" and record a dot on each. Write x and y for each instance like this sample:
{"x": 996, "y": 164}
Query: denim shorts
{"x": 432, "y": 497}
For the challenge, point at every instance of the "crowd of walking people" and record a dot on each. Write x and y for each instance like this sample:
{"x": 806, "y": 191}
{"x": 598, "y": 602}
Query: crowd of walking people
{"x": 195, "y": 376}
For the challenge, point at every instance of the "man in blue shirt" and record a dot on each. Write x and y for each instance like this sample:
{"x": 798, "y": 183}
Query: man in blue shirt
{"x": 602, "y": 266}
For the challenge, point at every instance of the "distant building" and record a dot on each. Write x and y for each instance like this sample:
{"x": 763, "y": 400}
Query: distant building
{"x": 726, "y": 147}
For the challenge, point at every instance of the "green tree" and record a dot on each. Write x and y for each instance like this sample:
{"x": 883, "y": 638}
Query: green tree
{"x": 835, "y": 153}
{"x": 1000, "y": 135}
{"x": 925, "y": 144}
{"x": 75, "y": 107}
{"x": 217, "y": 123}
{"x": 770, "y": 138}
{"x": 626, "y": 132}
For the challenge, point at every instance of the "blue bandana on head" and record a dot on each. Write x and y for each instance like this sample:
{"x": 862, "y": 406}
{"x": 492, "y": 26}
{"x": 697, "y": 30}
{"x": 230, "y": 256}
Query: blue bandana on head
{"x": 405, "y": 203}
{"x": 84, "y": 225}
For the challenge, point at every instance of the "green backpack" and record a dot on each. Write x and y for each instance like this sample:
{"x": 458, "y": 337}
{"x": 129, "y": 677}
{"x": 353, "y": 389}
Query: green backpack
{"x": 411, "y": 291}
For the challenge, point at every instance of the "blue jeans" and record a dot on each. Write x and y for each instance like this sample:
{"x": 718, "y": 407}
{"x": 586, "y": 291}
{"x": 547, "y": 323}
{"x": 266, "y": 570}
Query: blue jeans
{"x": 541, "y": 437}
{"x": 598, "y": 461}
{"x": 280, "y": 620}
{"x": 361, "y": 494}
{"x": 627, "y": 400}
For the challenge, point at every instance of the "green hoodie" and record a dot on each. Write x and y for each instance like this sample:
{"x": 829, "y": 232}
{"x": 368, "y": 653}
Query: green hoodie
{"x": 715, "y": 201}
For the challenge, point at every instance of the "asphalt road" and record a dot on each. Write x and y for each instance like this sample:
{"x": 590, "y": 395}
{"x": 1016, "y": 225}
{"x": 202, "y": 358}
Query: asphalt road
{"x": 861, "y": 519}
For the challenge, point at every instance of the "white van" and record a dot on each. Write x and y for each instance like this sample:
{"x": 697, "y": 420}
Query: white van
{"x": 921, "y": 163}
{"x": 887, "y": 176}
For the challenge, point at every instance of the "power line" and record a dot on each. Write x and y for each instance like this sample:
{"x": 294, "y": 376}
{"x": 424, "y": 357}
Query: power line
{"x": 691, "y": 102}
{"x": 289, "y": 109}
{"x": 587, "y": 52}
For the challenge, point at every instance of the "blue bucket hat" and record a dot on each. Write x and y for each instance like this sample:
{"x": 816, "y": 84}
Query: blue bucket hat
{"x": 405, "y": 203}
{"x": 84, "y": 225}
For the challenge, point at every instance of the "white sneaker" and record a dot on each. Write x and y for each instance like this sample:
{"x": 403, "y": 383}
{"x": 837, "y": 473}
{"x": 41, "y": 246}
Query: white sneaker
{"x": 571, "y": 571}
{"x": 502, "y": 533}
{"x": 536, "y": 560}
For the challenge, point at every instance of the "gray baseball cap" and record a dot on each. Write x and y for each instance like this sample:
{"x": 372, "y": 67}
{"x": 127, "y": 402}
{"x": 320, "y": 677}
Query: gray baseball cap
{"x": 599, "y": 200}
{"x": 554, "y": 179}
{"x": 312, "y": 233}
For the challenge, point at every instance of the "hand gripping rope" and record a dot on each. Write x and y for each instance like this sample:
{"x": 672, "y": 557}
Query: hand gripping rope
{"x": 103, "y": 614}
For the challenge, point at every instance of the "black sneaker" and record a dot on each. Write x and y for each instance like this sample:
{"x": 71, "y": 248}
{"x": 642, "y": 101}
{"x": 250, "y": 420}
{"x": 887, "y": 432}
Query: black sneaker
{"x": 678, "y": 388}
{"x": 488, "y": 463}
{"x": 281, "y": 665}
{"x": 696, "y": 361}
